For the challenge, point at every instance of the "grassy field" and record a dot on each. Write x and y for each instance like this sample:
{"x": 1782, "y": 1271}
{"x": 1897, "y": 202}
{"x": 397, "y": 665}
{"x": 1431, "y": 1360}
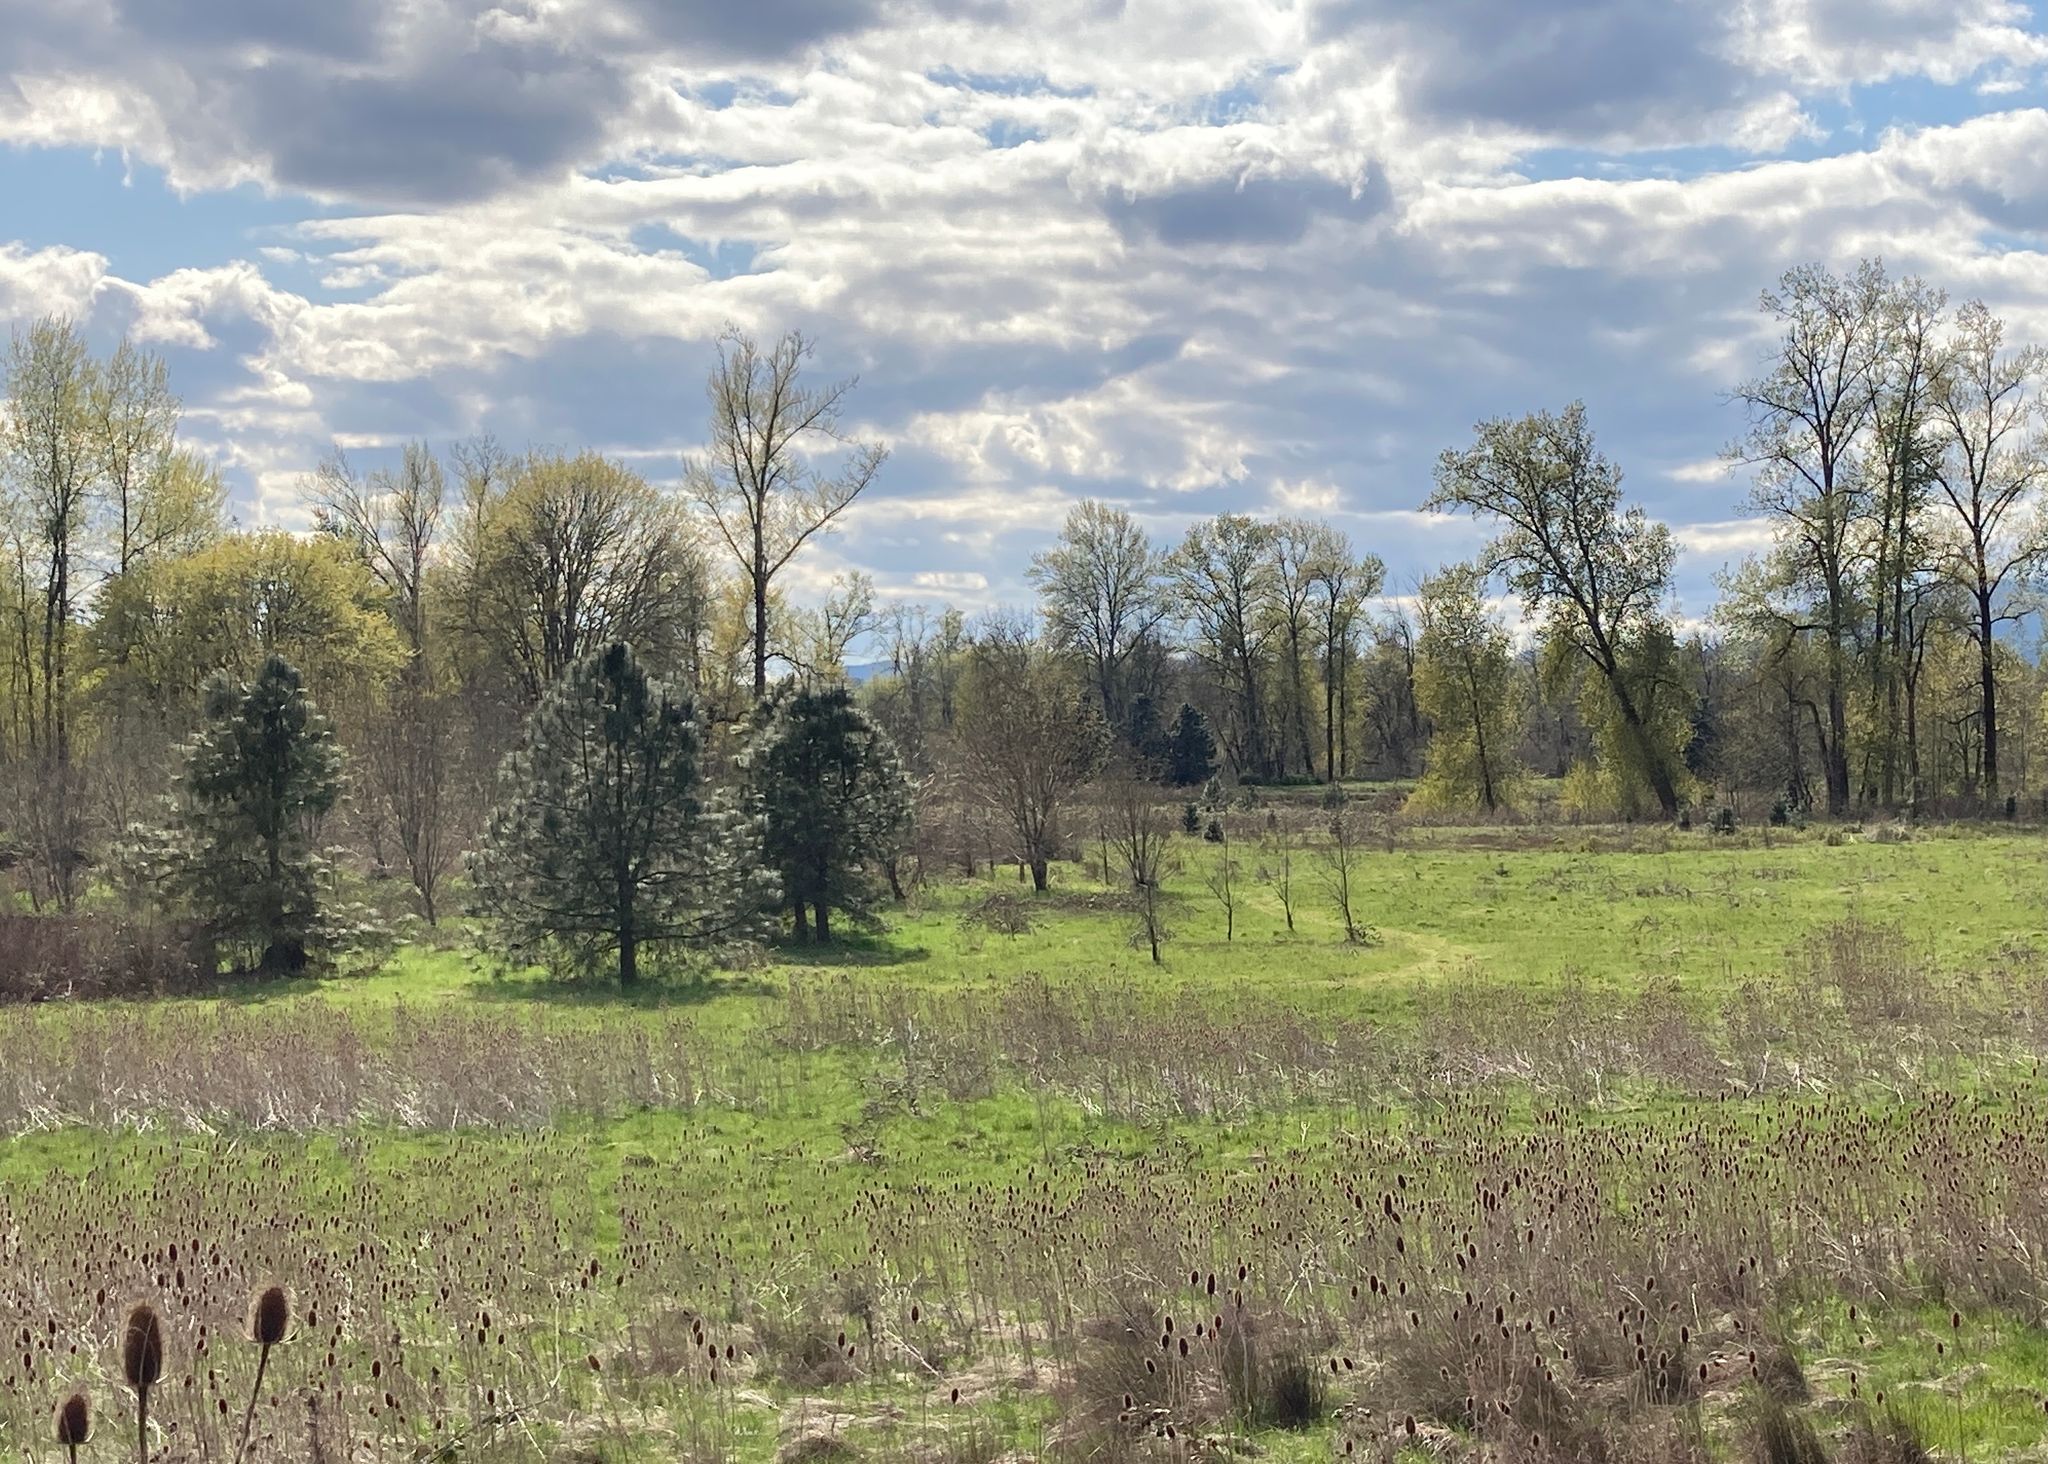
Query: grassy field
{"x": 1589, "y": 1152}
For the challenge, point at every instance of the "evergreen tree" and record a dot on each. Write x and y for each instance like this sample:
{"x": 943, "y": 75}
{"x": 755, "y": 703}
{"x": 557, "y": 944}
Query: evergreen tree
{"x": 1190, "y": 749}
{"x": 1145, "y": 737}
{"x": 602, "y": 842}
{"x": 239, "y": 850}
{"x": 838, "y": 803}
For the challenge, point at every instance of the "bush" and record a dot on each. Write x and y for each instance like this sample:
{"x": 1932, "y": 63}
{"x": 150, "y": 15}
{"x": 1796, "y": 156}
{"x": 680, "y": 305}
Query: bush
{"x": 1291, "y": 1395}
{"x": 52, "y": 957}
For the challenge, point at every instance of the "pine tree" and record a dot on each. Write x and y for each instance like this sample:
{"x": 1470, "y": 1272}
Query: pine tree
{"x": 239, "y": 851}
{"x": 838, "y": 803}
{"x": 1190, "y": 749}
{"x": 603, "y": 843}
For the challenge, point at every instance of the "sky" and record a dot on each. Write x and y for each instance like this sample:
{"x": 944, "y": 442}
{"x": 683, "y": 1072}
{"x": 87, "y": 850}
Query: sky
{"x": 1187, "y": 256}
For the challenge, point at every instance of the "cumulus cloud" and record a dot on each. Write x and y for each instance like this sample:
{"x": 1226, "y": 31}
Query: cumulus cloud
{"x": 1188, "y": 254}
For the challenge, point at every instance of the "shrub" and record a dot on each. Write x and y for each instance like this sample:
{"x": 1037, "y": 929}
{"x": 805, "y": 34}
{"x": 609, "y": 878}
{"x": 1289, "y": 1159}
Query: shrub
{"x": 1291, "y": 1394}
{"x": 51, "y": 957}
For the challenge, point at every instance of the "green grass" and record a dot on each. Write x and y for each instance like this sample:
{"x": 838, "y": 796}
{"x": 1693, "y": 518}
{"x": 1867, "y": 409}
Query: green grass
{"x": 779, "y": 1197}
{"x": 1683, "y": 908}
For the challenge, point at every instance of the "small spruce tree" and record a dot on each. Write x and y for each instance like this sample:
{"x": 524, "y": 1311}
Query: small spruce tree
{"x": 1190, "y": 749}
{"x": 603, "y": 844}
{"x": 239, "y": 850}
{"x": 837, "y": 799}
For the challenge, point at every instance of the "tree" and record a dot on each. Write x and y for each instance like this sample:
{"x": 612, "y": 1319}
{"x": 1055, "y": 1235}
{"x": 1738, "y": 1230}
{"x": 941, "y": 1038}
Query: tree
{"x": 1030, "y": 736}
{"x": 1339, "y": 586}
{"x": 159, "y": 499}
{"x": 1301, "y": 550}
{"x": 838, "y": 803}
{"x": 1807, "y": 413}
{"x": 1899, "y": 464}
{"x": 391, "y": 523}
{"x": 822, "y": 637}
{"x": 259, "y": 777}
{"x": 51, "y": 464}
{"x": 1465, "y": 681}
{"x": 1281, "y": 837}
{"x": 1337, "y": 860}
{"x": 169, "y": 624}
{"x": 1100, "y": 592}
{"x": 1190, "y": 749}
{"x": 1594, "y": 572}
{"x": 1139, "y": 831}
{"x": 603, "y": 842}
{"x": 557, "y": 557}
{"x": 1223, "y": 579}
{"x": 1991, "y": 463}
{"x": 757, "y": 482}
{"x": 1221, "y": 878}
{"x": 1394, "y": 727}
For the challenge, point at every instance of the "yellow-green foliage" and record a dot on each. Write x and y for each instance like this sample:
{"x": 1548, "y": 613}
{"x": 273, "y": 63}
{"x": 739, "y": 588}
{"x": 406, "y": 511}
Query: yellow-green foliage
{"x": 1464, "y": 680}
{"x": 164, "y": 628}
{"x": 1614, "y": 781}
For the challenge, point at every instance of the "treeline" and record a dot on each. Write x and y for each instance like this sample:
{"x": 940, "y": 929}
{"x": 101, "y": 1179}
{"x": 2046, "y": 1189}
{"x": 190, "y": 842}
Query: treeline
{"x": 1870, "y": 657}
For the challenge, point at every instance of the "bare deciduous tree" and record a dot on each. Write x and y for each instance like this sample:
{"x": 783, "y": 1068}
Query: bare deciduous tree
{"x": 1993, "y": 461}
{"x": 1140, "y": 833}
{"x": 1099, "y": 586}
{"x": 756, "y": 482}
{"x": 1221, "y": 878}
{"x": 1337, "y": 858}
{"x": 392, "y": 522}
{"x": 1030, "y": 737}
{"x": 1807, "y": 412}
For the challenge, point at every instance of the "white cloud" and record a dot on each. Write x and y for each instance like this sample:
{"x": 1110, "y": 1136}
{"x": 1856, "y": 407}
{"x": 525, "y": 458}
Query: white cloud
{"x": 1190, "y": 254}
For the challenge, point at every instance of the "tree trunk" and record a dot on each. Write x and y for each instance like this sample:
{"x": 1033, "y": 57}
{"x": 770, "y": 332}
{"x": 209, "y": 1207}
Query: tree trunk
{"x": 824, "y": 923}
{"x": 1038, "y": 873}
{"x": 1653, "y": 764}
{"x": 629, "y": 959}
{"x": 1836, "y": 753}
{"x": 801, "y": 920}
{"x": 1330, "y": 719}
{"x": 760, "y": 622}
{"x": 1987, "y": 671}
{"x": 284, "y": 956}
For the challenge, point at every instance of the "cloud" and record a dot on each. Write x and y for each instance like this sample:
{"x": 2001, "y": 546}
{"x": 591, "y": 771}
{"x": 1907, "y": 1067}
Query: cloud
{"x": 1186, "y": 254}
{"x": 53, "y": 281}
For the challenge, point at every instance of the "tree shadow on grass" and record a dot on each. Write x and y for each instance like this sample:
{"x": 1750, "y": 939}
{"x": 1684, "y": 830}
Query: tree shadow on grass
{"x": 852, "y": 950}
{"x": 231, "y": 988}
{"x": 653, "y": 993}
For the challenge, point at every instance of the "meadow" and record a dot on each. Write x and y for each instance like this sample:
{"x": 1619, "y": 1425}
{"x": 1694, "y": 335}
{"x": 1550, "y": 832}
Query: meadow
{"x": 1615, "y": 1143}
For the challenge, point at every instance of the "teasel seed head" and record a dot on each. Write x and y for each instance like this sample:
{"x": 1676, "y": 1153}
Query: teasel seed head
{"x": 270, "y": 1316}
{"x": 142, "y": 1348}
{"x": 74, "y": 1421}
